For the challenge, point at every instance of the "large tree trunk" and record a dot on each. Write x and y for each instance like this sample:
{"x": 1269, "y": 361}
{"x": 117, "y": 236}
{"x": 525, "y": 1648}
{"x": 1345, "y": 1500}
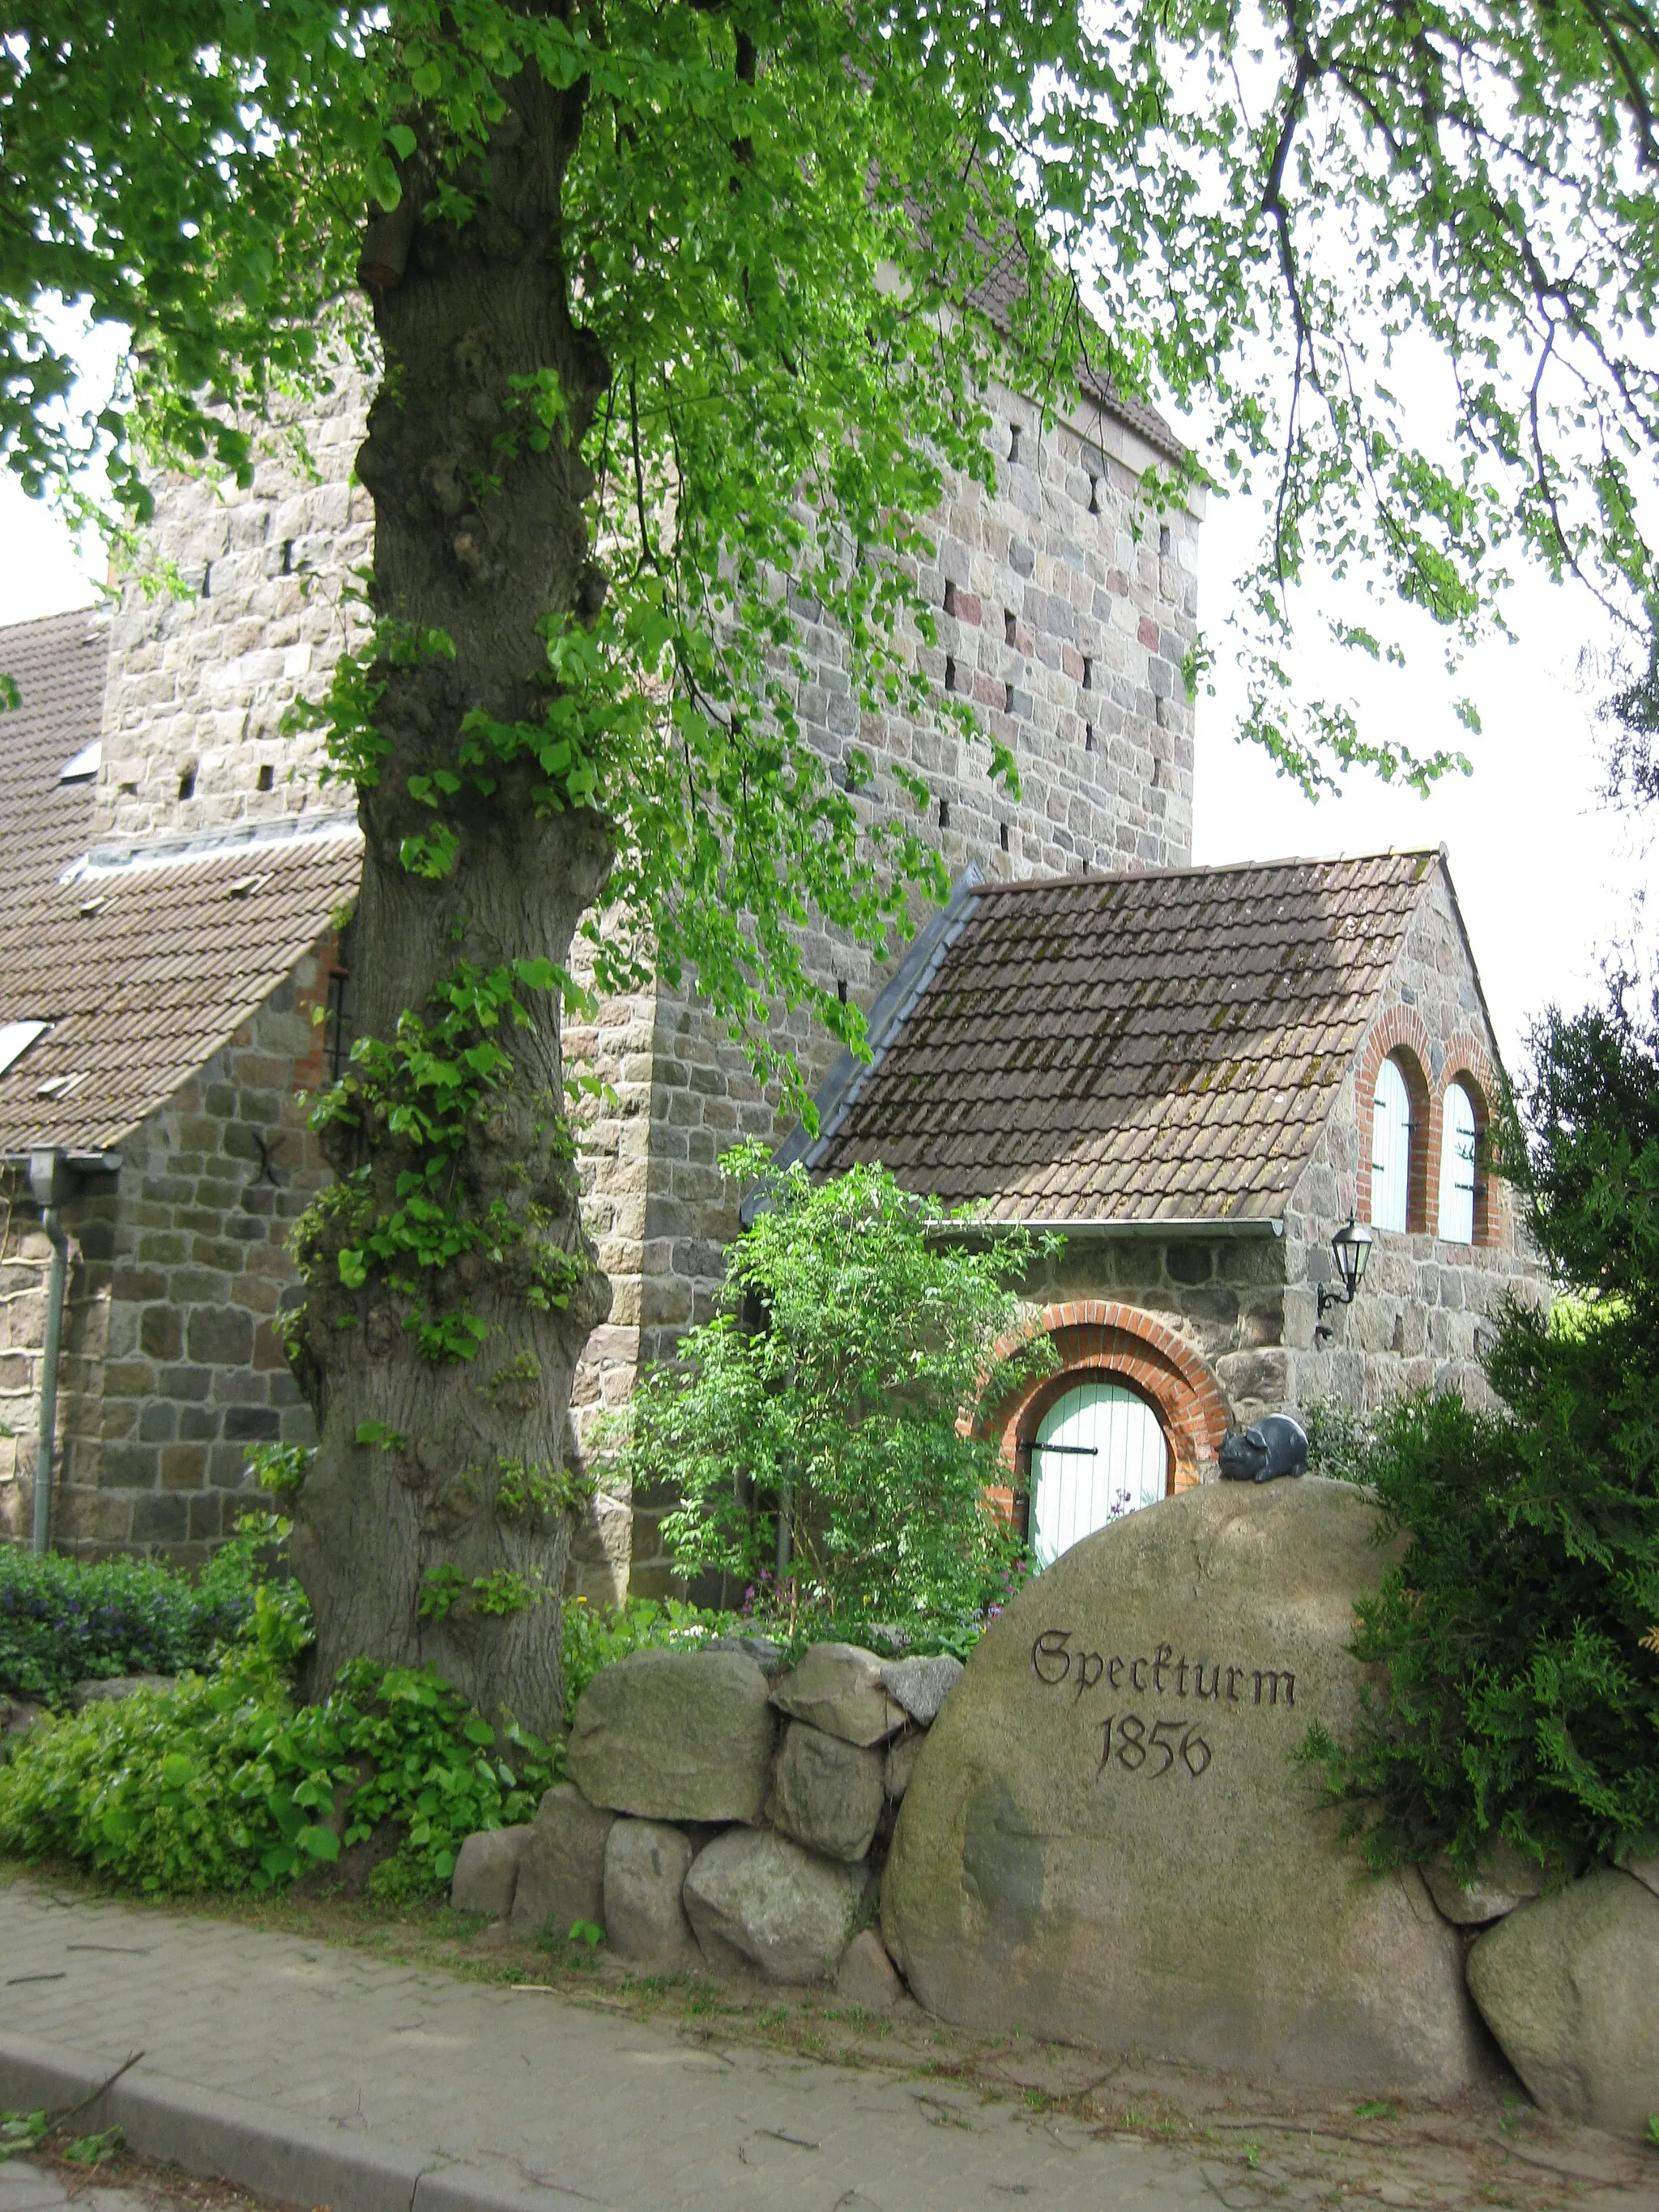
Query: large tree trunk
{"x": 407, "y": 1546}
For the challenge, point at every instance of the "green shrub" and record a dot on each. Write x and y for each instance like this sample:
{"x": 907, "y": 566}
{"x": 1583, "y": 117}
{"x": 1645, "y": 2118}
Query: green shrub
{"x": 594, "y": 1636}
{"x": 861, "y": 1322}
{"x": 224, "y": 1784}
{"x": 63, "y": 1622}
{"x": 1518, "y": 1636}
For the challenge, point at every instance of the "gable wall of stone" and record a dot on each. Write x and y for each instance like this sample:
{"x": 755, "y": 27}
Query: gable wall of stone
{"x": 1425, "y": 1308}
{"x": 171, "y": 1365}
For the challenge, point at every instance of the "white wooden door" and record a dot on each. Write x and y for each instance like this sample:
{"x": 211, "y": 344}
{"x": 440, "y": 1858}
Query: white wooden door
{"x": 1099, "y": 1453}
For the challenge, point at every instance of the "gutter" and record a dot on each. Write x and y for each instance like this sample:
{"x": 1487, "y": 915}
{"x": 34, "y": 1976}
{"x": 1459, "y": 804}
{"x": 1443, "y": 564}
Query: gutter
{"x": 49, "y": 1181}
{"x": 1229, "y": 1227}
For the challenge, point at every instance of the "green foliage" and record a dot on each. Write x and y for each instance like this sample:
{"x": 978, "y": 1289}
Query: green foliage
{"x": 63, "y": 1622}
{"x": 20, "y": 2133}
{"x": 1262, "y": 208}
{"x": 595, "y": 1636}
{"x": 280, "y": 1468}
{"x": 423, "y": 1095}
{"x": 1517, "y": 1634}
{"x": 860, "y": 1328}
{"x": 225, "y": 1784}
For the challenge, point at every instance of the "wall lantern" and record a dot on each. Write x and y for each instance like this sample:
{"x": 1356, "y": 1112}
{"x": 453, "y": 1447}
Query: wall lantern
{"x": 1351, "y": 1248}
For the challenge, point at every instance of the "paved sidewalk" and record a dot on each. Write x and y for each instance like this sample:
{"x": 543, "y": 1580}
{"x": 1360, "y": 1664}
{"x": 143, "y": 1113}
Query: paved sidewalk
{"x": 324, "y": 2077}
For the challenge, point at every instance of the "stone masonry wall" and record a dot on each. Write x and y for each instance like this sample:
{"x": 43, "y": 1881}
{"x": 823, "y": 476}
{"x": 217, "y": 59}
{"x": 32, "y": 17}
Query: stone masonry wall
{"x": 171, "y": 1365}
{"x": 1065, "y": 608}
{"x": 1424, "y": 1310}
{"x": 198, "y": 685}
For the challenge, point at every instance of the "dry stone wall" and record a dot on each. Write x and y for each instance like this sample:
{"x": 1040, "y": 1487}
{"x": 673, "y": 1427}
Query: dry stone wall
{"x": 722, "y": 1813}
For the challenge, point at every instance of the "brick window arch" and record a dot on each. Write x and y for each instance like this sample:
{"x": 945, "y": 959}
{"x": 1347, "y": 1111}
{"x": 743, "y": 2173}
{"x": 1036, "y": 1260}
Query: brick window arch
{"x": 1469, "y": 1069}
{"x": 1098, "y": 1340}
{"x": 1398, "y": 1041}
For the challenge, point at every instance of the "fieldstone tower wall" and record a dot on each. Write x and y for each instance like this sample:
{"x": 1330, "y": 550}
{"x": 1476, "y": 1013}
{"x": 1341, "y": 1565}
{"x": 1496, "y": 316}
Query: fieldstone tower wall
{"x": 1065, "y": 605}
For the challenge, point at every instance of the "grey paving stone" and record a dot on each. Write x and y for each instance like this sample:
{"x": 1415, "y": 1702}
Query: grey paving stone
{"x": 324, "y": 2077}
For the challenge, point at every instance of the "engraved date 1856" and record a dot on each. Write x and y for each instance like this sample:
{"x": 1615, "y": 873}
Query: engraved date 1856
{"x": 1137, "y": 1751}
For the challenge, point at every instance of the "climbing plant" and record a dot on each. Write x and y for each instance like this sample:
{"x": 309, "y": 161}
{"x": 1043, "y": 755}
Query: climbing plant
{"x": 678, "y": 314}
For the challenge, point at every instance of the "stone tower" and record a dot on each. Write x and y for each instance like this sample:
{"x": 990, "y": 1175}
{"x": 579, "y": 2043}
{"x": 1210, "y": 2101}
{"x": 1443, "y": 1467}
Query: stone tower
{"x": 1066, "y": 604}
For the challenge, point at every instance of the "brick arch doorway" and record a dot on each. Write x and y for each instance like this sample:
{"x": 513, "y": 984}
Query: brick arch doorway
{"x": 1119, "y": 1345}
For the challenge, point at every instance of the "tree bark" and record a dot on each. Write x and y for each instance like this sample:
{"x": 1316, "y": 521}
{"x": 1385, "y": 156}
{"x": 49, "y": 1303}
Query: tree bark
{"x": 399, "y": 1542}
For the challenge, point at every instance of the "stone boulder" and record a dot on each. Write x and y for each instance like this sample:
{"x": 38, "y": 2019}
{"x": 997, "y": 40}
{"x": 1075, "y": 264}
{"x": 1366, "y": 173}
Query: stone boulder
{"x": 864, "y": 1977}
{"x": 1105, "y": 1839}
{"x": 922, "y": 1686}
{"x": 1504, "y": 1879}
{"x": 900, "y": 1764}
{"x": 838, "y": 1689}
{"x": 561, "y": 1872}
{"x": 1569, "y": 1986}
{"x": 674, "y": 1735}
{"x": 788, "y": 1912}
{"x": 825, "y": 1793}
{"x": 110, "y": 1689}
{"x": 645, "y": 1923}
{"x": 1644, "y": 1865}
{"x": 486, "y": 1873}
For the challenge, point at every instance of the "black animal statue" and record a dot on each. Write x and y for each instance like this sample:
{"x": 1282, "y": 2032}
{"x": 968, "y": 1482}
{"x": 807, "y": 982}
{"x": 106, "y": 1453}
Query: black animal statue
{"x": 1277, "y": 1446}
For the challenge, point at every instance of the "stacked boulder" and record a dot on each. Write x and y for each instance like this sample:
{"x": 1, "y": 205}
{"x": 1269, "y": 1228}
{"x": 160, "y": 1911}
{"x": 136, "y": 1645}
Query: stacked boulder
{"x": 722, "y": 1813}
{"x": 1565, "y": 1981}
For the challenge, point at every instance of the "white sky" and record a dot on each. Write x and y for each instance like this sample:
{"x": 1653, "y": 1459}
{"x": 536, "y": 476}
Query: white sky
{"x": 1547, "y": 875}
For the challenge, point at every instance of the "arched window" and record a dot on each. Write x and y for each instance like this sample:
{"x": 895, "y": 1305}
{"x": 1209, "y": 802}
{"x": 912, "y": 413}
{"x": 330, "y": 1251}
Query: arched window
{"x": 1391, "y": 1149}
{"x": 1459, "y": 1141}
{"x": 1099, "y": 1453}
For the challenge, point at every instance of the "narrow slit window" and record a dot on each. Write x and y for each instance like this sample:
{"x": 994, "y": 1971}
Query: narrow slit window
{"x": 950, "y": 597}
{"x": 1088, "y": 672}
{"x": 1088, "y": 737}
{"x": 949, "y": 671}
{"x": 267, "y": 777}
{"x": 1013, "y": 441}
{"x": 1005, "y": 836}
{"x": 1007, "y": 698}
{"x": 1009, "y": 626}
{"x": 944, "y": 814}
{"x": 187, "y": 783}
{"x": 337, "y": 1031}
{"x": 1459, "y": 1143}
{"x": 1094, "y": 495}
{"x": 1391, "y": 1149}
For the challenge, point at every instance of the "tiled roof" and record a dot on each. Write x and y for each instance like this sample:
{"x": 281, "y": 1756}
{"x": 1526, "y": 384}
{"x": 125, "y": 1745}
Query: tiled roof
{"x": 1164, "y": 1045}
{"x": 58, "y": 667}
{"x": 997, "y": 297}
{"x": 142, "y": 971}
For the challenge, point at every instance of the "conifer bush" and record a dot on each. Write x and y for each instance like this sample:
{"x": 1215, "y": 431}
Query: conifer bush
{"x": 1519, "y": 1635}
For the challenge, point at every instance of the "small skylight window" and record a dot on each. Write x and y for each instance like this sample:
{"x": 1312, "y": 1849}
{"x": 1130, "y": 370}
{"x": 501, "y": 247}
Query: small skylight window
{"x": 15, "y": 1038}
{"x": 83, "y": 766}
{"x": 245, "y": 886}
{"x": 59, "y": 1086}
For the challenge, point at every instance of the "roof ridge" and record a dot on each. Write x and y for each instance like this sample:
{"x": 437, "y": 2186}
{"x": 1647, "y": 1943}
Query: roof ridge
{"x": 93, "y": 612}
{"x": 1098, "y": 876}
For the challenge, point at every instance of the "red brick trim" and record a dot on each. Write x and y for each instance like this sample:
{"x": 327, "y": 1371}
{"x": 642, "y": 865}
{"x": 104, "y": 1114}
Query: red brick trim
{"x": 1468, "y": 1063}
{"x": 1401, "y": 1036}
{"x": 1094, "y": 1336}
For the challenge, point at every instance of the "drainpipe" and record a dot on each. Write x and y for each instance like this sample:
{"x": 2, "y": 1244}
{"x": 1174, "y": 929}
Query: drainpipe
{"x": 49, "y": 1181}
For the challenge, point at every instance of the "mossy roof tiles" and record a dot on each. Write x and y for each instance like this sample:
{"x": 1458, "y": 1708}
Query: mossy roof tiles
{"x": 143, "y": 972}
{"x": 1134, "y": 1046}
